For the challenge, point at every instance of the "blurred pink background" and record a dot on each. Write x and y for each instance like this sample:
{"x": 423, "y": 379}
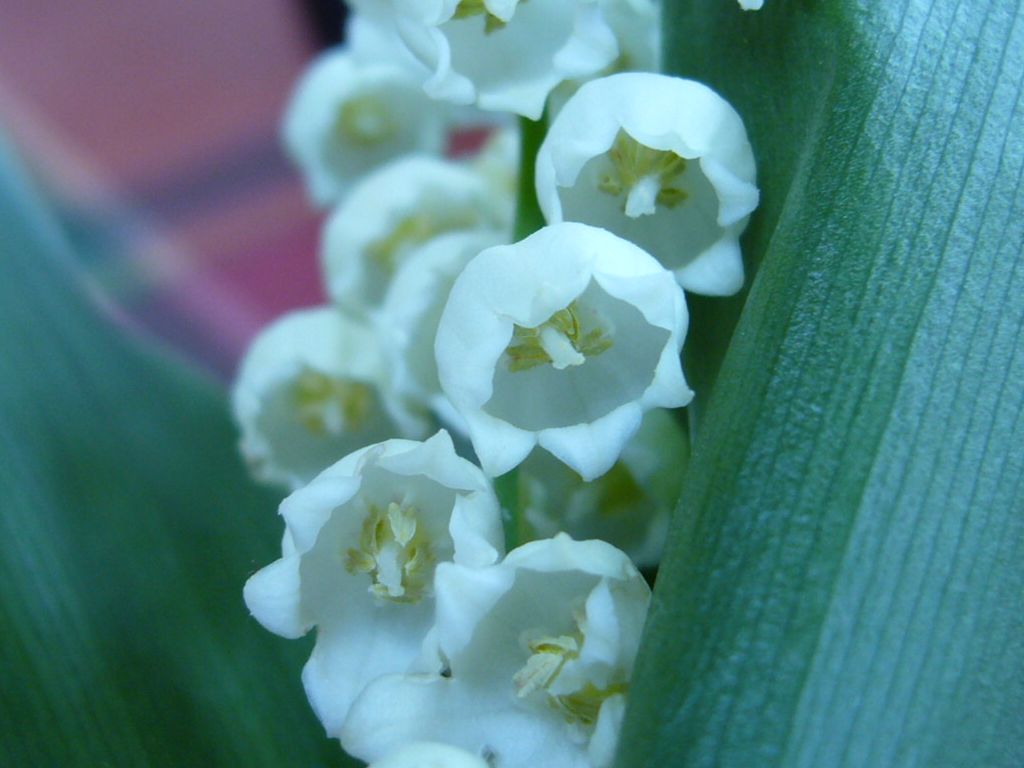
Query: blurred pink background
{"x": 154, "y": 126}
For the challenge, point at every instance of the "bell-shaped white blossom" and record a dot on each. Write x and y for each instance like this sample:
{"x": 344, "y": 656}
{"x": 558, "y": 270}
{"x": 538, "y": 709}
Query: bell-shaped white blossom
{"x": 408, "y": 319}
{"x": 564, "y": 340}
{"x": 429, "y": 754}
{"x": 395, "y": 210}
{"x": 351, "y": 113}
{"x": 373, "y": 37}
{"x": 661, "y": 161}
{"x": 307, "y": 393}
{"x": 751, "y": 5}
{"x": 629, "y": 506}
{"x": 533, "y": 660}
{"x": 637, "y": 28}
{"x": 366, "y": 536}
{"x": 507, "y": 55}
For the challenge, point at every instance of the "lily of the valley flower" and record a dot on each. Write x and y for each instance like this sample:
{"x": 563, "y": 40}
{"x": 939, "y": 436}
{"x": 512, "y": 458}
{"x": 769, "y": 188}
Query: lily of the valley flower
{"x": 661, "y": 161}
{"x": 428, "y": 754}
{"x": 628, "y": 506}
{"x": 349, "y": 115}
{"x": 563, "y": 339}
{"x": 751, "y": 5}
{"x": 533, "y": 661}
{"x": 395, "y": 210}
{"x": 637, "y": 28}
{"x": 507, "y": 54}
{"x": 364, "y": 538}
{"x": 408, "y": 319}
{"x": 306, "y": 394}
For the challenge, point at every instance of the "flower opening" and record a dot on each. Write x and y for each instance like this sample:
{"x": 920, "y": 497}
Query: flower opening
{"x": 365, "y": 121}
{"x": 330, "y": 405}
{"x": 562, "y": 340}
{"x": 647, "y": 177}
{"x": 416, "y": 229}
{"x": 396, "y": 552}
{"x": 660, "y": 161}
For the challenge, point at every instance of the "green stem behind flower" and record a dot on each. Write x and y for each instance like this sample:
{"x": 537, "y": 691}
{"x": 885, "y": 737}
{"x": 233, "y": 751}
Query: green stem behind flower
{"x": 528, "y": 216}
{"x": 528, "y": 220}
{"x": 508, "y": 491}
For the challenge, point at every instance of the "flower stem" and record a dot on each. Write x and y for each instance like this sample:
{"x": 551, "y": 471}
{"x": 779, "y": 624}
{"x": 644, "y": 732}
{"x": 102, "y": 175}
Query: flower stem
{"x": 507, "y": 489}
{"x": 528, "y": 220}
{"x": 528, "y": 216}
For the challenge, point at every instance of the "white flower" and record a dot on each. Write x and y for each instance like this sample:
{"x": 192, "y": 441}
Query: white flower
{"x": 563, "y": 339}
{"x": 637, "y": 28}
{"x": 350, "y": 114}
{"x": 661, "y": 161}
{"x": 366, "y": 536}
{"x": 629, "y": 506}
{"x": 536, "y": 657}
{"x": 751, "y": 5}
{"x": 427, "y": 754}
{"x": 408, "y": 319}
{"x": 504, "y": 55}
{"x": 393, "y": 211}
{"x": 306, "y": 394}
{"x": 373, "y": 37}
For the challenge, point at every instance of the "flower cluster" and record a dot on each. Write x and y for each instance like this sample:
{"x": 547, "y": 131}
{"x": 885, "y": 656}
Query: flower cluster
{"x": 453, "y": 352}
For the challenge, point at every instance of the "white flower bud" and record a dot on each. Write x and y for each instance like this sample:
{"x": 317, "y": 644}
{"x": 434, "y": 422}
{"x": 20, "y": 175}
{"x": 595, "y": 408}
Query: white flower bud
{"x": 751, "y": 5}
{"x": 395, "y": 210}
{"x": 661, "y": 161}
{"x": 563, "y": 339}
{"x": 637, "y": 28}
{"x": 366, "y": 536}
{"x": 374, "y": 38}
{"x": 349, "y": 115}
{"x": 408, "y": 319}
{"x": 504, "y": 55}
{"x": 306, "y": 394}
{"x": 535, "y": 657}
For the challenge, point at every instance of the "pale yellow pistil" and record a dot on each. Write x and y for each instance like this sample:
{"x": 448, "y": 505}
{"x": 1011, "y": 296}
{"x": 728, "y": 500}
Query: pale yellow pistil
{"x": 365, "y": 121}
{"x": 560, "y": 341}
{"x": 647, "y": 177}
{"x": 327, "y": 405}
{"x": 413, "y": 230}
{"x": 548, "y": 657}
{"x": 468, "y": 8}
{"x": 395, "y": 551}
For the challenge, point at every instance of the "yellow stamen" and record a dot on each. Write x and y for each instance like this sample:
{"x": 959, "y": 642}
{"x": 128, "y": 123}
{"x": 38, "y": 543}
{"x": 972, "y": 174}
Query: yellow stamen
{"x": 584, "y": 705}
{"x": 632, "y": 163}
{"x": 531, "y": 347}
{"x": 468, "y": 8}
{"x": 548, "y": 657}
{"x": 365, "y": 121}
{"x": 330, "y": 405}
{"x": 395, "y": 551}
{"x": 413, "y": 230}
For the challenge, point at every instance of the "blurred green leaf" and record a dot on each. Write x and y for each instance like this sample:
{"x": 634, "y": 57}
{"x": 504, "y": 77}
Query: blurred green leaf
{"x": 127, "y": 528}
{"x": 845, "y": 577}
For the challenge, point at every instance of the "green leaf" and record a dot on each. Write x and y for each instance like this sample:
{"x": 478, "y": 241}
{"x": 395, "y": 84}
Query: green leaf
{"x": 844, "y": 584}
{"x": 127, "y": 528}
